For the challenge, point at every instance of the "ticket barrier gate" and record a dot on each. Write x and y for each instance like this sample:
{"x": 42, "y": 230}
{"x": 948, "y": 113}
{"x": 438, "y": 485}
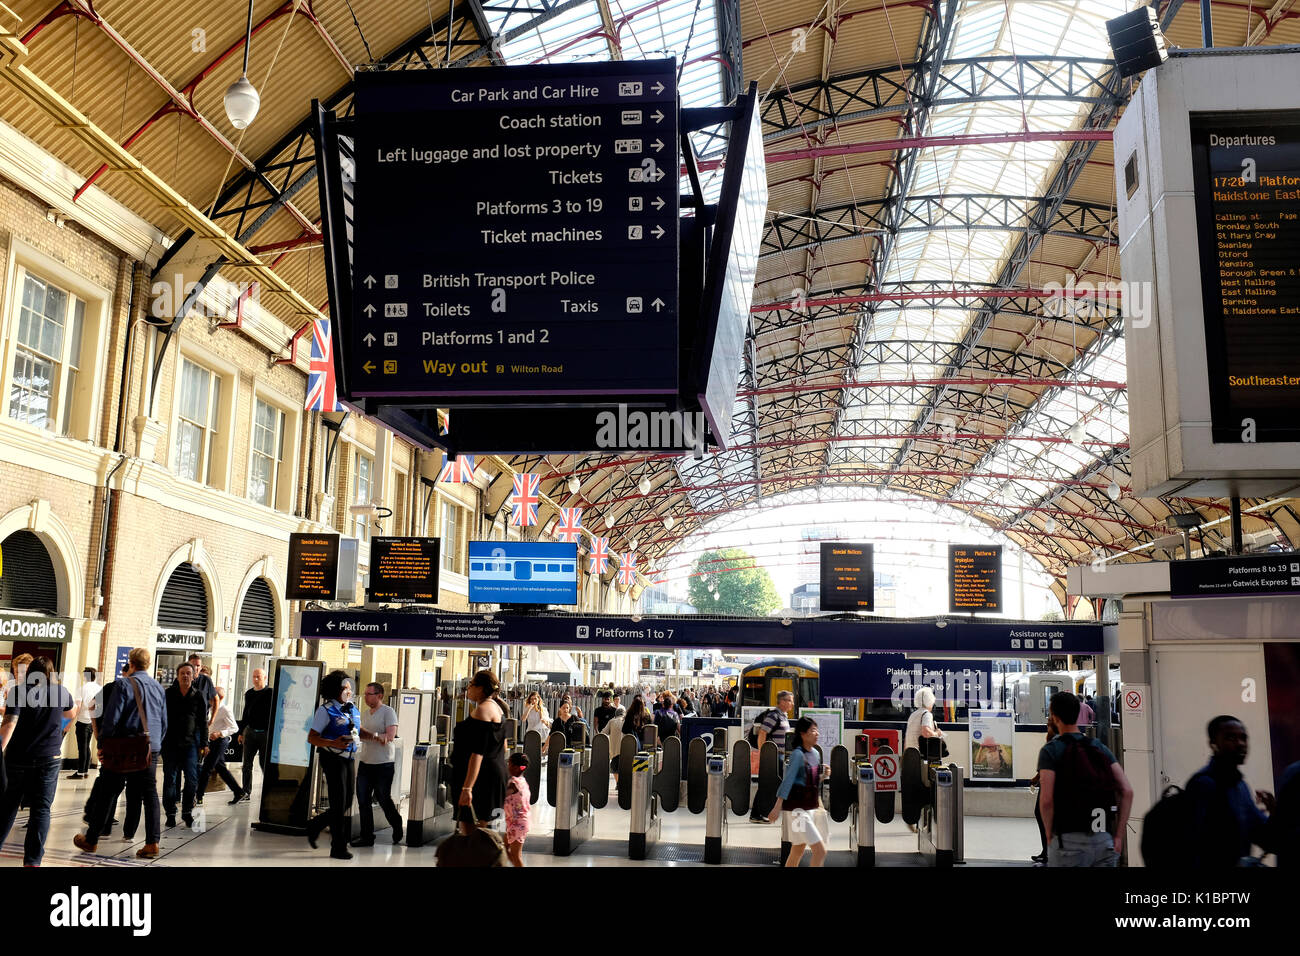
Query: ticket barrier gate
{"x": 721, "y": 788}
{"x": 429, "y": 814}
{"x": 574, "y": 821}
{"x": 643, "y": 831}
{"x": 933, "y": 800}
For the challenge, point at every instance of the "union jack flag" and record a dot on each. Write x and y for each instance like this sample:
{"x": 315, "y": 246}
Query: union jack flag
{"x": 458, "y": 470}
{"x": 524, "y": 500}
{"x": 599, "y": 555}
{"x": 627, "y": 569}
{"x": 569, "y": 526}
{"x": 322, "y": 394}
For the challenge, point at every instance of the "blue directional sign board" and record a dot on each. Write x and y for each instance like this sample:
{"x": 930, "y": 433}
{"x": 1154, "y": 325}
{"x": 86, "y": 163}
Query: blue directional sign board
{"x": 515, "y": 233}
{"x": 523, "y": 572}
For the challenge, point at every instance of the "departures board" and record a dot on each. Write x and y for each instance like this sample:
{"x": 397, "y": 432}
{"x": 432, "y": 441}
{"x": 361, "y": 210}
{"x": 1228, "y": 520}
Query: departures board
{"x": 1247, "y": 183}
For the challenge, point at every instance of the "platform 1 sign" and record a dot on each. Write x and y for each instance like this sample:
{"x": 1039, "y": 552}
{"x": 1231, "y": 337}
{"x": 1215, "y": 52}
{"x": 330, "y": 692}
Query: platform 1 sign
{"x": 516, "y": 233}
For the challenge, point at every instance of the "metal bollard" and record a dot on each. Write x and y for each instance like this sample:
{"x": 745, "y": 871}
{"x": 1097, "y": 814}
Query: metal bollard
{"x": 572, "y": 826}
{"x": 866, "y": 815}
{"x": 958, "y": 814}
{"x": 715, "y": 809}
{"x": 944, "y": 801}
{"x": 644, "y": 827}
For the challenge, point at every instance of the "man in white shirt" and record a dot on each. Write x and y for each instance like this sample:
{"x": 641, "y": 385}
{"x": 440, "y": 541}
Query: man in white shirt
{"x": 86, "y": 712}
{"x": 219, "y": 730}
{"x": 375, "y": 771}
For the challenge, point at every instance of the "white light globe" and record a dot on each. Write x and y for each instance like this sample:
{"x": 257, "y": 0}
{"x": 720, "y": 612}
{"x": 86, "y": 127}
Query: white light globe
{"x": 669, "y": 521}
{"x": 1112, "y": 491}
{"x": 242, "y": 103}
{"x": 574, "y": 485}
{"x": 1050, "y": 527}
{"x": 643, "y": 486}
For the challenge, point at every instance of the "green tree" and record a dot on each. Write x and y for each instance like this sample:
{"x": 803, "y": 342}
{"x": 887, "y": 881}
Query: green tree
{"x": 742, "y": 587}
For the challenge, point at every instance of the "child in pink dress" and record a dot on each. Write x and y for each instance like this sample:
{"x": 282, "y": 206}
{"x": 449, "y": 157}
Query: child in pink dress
{"x": 518, "y": 799}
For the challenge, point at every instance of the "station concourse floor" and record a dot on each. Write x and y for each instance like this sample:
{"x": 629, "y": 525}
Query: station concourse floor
{"x": 228, "y": 840}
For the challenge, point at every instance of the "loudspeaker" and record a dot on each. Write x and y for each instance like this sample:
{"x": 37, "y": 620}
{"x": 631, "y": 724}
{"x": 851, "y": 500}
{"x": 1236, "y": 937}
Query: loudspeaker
{"x": 1136, "y": 41}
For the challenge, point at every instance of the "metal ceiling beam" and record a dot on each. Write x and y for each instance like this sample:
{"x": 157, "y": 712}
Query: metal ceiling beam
{"x": 880, "y": 92}
{"x": 1067, "y": 174}
{"x": 1073, "y": 219}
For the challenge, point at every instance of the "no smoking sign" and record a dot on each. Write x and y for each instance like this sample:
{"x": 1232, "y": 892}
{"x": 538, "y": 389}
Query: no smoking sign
{"x": 1133, "y": 703}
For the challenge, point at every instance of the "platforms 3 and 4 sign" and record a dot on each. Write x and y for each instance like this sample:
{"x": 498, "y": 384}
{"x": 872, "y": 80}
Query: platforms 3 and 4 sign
{"x": 516, "y": 232}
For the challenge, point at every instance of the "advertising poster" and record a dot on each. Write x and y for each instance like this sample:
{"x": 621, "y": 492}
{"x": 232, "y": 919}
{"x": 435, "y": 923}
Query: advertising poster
{"x": 992, "y": 733}
{"x": 830, "y": 727}
{"x": 295, "y": 707}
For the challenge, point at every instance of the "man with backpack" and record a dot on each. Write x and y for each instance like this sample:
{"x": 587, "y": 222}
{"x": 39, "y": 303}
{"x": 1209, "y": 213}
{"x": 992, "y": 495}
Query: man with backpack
{"x": 666, "y": 719}
{"x": 771, "y": 725}
{"x": 1080, "y": 783}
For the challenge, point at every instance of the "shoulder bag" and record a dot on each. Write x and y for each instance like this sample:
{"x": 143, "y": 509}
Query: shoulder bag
{"x": 127, "y": 754}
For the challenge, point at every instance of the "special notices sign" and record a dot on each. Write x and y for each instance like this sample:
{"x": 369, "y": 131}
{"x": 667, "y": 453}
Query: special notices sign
{"x": 403, "y": 569}
{"x": 847, "y": 577}
{"x": 516, "y": 232}
{"x": 975, "y": 578}
{"x": 1247, "y": 169}
{"x": 313, "y": 567}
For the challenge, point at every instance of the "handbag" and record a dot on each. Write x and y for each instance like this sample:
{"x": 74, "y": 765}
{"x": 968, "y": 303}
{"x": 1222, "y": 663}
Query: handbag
{"x": 127, "y": 754}
{"x": 478, "y": 848}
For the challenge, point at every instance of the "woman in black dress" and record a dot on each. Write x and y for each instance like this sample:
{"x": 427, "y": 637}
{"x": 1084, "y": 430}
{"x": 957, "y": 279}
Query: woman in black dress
{"x": 478, "y": 755}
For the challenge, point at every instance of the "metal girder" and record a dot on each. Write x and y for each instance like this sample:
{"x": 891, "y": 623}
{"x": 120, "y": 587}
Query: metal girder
{"x": 882, "y": 91}
{"x": 293, "y": 154}
{"x": 484, "y": 30}
{"x": 730, "y": 45}
{"x": 935, "y": 45}
{"x": 1071, "y": 219}
{"x": 1055, "y": 196}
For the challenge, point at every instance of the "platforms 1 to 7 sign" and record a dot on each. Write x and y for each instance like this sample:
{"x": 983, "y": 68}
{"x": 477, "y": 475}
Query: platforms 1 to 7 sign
{"x": 516, "y": 232}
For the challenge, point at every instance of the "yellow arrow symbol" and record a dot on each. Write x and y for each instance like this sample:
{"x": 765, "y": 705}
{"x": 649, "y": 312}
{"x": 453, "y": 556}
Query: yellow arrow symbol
{"x": 368, "y": 367}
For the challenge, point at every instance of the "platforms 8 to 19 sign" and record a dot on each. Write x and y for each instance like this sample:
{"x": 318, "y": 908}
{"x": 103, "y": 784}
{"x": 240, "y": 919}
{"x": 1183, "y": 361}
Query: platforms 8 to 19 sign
{"x": 516, "y": 232}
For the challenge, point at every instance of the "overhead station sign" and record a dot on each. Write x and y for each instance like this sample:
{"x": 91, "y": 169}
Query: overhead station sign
{"x": 403, "y": 569}
{"x": 515, "y": 233}
{"x": 1239, "y": 574}
{"x": 975, "y": 578}
{"x": 847, "y": 577}
{"x": 1247, "y": 186}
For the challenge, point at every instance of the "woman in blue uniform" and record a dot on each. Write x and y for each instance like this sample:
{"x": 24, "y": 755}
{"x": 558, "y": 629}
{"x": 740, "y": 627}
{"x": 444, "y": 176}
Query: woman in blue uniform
{"x": 335, "y": 731}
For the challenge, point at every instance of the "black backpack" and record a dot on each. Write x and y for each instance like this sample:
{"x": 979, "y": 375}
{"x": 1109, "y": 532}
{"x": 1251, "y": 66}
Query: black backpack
{"x": 668, "y": 723}
{"x": 752, "y": 736}
{"x": 1085, "y": 787}
{"x": 1167, "y": 837}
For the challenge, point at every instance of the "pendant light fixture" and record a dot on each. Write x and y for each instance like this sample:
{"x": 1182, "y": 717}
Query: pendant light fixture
{"x": 242, "y": 101}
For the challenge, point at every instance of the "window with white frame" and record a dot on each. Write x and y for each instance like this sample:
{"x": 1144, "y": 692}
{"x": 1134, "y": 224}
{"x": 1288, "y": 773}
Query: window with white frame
{"x": 362, "y": 477}
{"x": 47, "y": 356}
{"x": 197, "y": 415}
{"x": 267, "y": 461}
{"x": 453, "y": 529}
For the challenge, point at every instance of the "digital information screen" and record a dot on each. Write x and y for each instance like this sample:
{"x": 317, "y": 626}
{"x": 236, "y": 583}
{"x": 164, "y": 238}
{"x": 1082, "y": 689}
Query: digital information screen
{"x": 1247, "y": 181}
{"x": 847, "y": 579}
{"x": 403, "y": 569}
{"x": 544, "y": 261}
{"x": 523, "y": 572}
{"x": 313, "y": 567}
{"x": 974, "y": 578}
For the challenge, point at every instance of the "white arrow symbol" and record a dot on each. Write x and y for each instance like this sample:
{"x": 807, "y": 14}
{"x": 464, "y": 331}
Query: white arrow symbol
{"x": 657, "y": 144}
{"x": 370, "y": 282}
{"x": 658, "y": 232}
{"x": 658, "y": 305}
{"x": 369, "y": 338}
{"x": 330, "y": 625}
{"x": 660, "y": 174}
{"x": 369, "y": 310}
{"x": 368, "y": 367}
{"x": 658, "y": 87}
{"x": 659, "y": 117}
{"x": 659, "y": 202}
